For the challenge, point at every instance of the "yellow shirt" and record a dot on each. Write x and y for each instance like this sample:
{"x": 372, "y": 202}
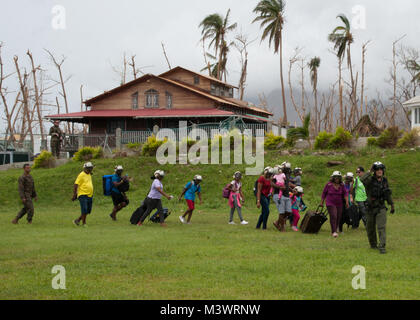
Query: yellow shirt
{"x": 85, "y": 186}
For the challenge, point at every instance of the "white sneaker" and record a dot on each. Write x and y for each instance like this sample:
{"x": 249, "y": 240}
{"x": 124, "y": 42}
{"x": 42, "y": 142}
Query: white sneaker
{"x": 244, "y": 223}
{"x": 181, "y": 218}
{"x": 232, "y": 223}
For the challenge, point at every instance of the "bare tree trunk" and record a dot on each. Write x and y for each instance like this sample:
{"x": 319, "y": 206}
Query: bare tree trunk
{"x": 37, "y": 102}
{"x": 24, "y": 91}
{"x": 292, "y": 61}
{"x": 364, "y": 49}
{"x": 62, "y": 82}
{"x": 282, "y": 81}
{"x": 340, "y": 89}
{"x": 133, "y": 66}
{"x": 166, "y": 56}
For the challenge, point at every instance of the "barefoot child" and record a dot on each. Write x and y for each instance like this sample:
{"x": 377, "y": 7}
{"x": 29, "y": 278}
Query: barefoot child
{"x": 189, "y": 191}
{"x": 236, "y": 198}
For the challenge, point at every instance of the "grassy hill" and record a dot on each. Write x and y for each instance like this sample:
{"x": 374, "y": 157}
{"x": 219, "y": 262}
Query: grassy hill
{"x": 208, "y": 259}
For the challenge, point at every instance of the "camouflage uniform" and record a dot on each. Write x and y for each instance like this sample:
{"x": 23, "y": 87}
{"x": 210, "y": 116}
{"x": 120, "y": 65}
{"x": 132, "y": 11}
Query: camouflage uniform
{"x": 377, "y": 192}
{"x": 56, "y": 141}
{"x": 27, "y": 193}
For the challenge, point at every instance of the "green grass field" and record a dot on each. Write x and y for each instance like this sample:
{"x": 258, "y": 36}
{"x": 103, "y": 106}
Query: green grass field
{"x": 208, "y": 259}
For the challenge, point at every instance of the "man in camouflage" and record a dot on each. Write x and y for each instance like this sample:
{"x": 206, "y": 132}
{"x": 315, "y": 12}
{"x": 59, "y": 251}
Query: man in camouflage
{"x": 56, "y": 138}
{"x": 378, "y": 191}
{"x": 27, "y": 193}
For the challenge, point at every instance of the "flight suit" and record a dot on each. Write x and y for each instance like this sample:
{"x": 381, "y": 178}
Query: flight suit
{"x": 377, "y": 192}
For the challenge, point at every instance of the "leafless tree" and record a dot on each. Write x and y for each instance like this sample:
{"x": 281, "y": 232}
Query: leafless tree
{"x": 241, "y": 44}
{"x": 58, "y": 64}
{"x": 166, "y": 56}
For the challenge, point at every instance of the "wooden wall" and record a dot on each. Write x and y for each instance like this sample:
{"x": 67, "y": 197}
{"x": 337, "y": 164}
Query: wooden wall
{"x": 188, "y": 77}
{"x": 181, "y": 98}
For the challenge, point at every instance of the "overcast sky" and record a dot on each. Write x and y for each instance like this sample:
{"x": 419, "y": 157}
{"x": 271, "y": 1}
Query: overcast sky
{"x": 99, "y": 31}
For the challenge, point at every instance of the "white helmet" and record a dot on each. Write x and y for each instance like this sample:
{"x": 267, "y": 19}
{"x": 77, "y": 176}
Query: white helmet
{"x": 337, "y": 174}
{"x": 299, "y": 189}
{"x": 198, "y": 178}
{"x": 119, "y": 168}
{"x": 88, "y": 165}
{"x": 286, "y": 165}
{"x": 269, "y": 170}
{"x": 350, "y": 175}
{"x": 159, "y": 173}
{"x": 237, "y": 174}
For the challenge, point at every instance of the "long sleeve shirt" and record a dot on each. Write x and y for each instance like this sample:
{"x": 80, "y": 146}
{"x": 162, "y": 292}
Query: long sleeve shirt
{"x": 26, "y": 187}
{"x": 334, "y": 197}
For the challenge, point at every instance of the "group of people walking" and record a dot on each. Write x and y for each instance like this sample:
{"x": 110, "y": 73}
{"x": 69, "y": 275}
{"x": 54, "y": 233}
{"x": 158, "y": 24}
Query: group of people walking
{"x": 368, "y": 192}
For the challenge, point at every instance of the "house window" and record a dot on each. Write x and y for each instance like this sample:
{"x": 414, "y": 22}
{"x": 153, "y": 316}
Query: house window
{"x": 196, "y": 80}
{"x": 230, "y": 92}
{"x": 135, "y": 101}
{"x": 213, "y": 89}
{"x": 417, "y": 116}
{"x": 168, "y": 100}
{"x": 152, "y": 99}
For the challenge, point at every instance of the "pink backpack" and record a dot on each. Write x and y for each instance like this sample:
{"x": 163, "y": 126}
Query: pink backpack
{"x": 226, "y": 192}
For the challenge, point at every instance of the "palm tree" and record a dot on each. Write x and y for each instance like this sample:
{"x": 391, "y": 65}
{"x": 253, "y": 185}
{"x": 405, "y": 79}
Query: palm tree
{"x": 294, "y": 134}
{"x": 313, "y": 67}
{"x": 342, "y": 39}
{"x": 271, "y": 15}
{"x": 214, "y": 28}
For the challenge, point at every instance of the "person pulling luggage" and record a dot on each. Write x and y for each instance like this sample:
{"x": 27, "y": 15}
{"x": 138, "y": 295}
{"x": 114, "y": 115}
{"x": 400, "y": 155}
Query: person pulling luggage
{"x": 334, "y": 195}
{"x": 192, "y": 188}
{"x": 153, "y": 200}
{"x": 378, "y": 191}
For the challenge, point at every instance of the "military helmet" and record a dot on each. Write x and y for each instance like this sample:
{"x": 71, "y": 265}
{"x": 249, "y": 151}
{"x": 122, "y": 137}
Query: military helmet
{"x": 378, "y": 166}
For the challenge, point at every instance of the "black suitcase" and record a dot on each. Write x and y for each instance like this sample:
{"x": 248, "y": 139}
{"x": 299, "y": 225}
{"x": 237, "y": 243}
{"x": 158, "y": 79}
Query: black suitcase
{"x": 155, "y": 217}
{"x": 136, "y": 216}
{"x": 313, "y": 221}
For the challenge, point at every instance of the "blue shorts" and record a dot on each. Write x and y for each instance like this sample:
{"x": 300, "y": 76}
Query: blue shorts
{"x": 85, "y": 204}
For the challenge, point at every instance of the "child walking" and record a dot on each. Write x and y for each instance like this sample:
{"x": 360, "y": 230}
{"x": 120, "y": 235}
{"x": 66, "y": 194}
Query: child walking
{"x": 236, "y": 197}
{"x": 192, "y": 188}
{"x": 297, "y": 205}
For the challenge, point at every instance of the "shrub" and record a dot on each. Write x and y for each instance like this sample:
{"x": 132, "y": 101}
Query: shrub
{"x": 409, "y": 140}
{"x": 372, "y": 142}
{"x": 322, "y": 140}
{"x": 134, "y": 146}
{"x": 152, "y": 145}
{"x": 341, "y": 139}
{"x": 389, "y": 138}
{"x": 88, "y": 153}
{"x": 45, "y": 160}
{"x": 272, "y": 141}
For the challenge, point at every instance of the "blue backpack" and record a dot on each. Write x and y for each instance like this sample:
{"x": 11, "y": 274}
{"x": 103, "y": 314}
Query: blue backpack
{"x": 107, "y": 184}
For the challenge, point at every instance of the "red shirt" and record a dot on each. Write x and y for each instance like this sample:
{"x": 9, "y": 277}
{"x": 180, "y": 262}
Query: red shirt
{"x": 266, "y": 185}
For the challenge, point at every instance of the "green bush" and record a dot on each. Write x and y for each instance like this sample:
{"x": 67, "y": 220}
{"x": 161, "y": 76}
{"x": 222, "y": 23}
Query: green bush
{"x": 323, "y": 139}
{"x": 134, "y": 146}
{"x": 409, "y": 140}
{"x": 88, "y": 153}
{"x": 341, "y": 139}
{"x": 389, "y": 138}
{"x": 272, "y": 141}
{"x": 152, "y": 145}
{"x": 372, "y": 142}
{"x": 45, "y": 160}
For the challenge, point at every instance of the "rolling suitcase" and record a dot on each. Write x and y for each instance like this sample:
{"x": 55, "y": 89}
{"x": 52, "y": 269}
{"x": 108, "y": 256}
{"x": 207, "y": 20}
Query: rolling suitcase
{"x": 313, "y": 221}
{"x": 155, "y": 217}
{"x": 136, "y": 216}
